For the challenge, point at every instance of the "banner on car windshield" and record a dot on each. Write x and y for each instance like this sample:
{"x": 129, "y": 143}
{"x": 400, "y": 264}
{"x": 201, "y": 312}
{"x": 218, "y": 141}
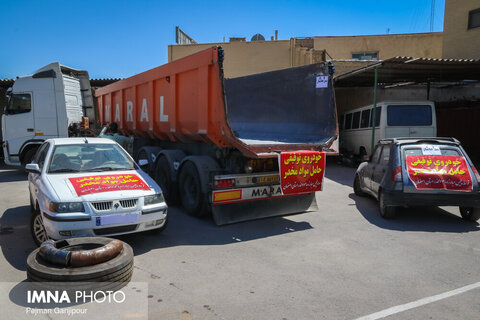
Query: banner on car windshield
{"x": 103, "y": 183}
{"x": 301, "y": 171}
{"x": 439, "y": 172}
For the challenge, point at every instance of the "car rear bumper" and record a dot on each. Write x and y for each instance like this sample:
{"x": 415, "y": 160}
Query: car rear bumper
{"x": 399, "y": 198}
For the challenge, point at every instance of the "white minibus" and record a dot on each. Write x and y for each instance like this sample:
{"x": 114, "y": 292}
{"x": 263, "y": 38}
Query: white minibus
{"x": 393, "y": 119}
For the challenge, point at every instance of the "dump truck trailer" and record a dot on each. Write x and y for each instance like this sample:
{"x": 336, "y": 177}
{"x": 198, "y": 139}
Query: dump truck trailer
{"x": 212, "y": 143}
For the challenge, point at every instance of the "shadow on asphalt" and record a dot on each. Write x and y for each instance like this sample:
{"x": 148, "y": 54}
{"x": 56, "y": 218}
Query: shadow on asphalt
{"x": 426, "y": 219}
{"x": 338, "y": 172}
{"x": 11, "y": 174}
{"x": 184, "y": 230}
{"x": 15, "y": 239}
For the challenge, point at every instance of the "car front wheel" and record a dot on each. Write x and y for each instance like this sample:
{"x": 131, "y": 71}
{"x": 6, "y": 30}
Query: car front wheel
{"x": 37, "y": 228}
{"x": 470, "y": 214}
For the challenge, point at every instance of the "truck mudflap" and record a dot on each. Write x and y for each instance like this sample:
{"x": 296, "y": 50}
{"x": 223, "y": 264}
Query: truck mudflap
{"x": 244, "y": 210}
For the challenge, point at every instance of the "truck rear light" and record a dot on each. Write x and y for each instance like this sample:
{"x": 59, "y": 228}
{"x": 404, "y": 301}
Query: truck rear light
{"x": 397, "y": 174}
{"x": 224, "y": 184}
{"x": 475, "y": 172}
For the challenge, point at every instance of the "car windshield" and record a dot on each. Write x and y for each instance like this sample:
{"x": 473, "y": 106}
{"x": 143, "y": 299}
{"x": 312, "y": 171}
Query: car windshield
{"x": 88, "y": 158}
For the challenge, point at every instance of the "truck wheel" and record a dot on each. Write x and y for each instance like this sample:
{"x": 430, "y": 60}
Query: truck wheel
{"x": 470, "y": 214}
{"x": 164, "y": 179}
{"x": 357, "y": 188}
{"x": 190, "y": 190}
{"x": 386, "y": 212}
{"x": 119, "y": 268}
{"x": 28, "y": 157}
{"x": 37, "y": 229}
{"x": 142, "y": 154}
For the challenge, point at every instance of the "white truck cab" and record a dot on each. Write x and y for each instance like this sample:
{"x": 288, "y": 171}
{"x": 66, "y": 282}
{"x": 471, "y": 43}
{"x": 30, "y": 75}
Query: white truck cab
{"x": 48, "y": 104}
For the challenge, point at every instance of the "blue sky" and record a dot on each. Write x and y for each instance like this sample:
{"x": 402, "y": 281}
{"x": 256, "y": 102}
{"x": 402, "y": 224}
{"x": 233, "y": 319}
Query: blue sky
{"x": 121, "y": 38}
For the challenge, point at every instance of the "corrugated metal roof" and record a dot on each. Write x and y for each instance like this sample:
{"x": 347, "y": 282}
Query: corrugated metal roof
{"x": 409, "y": 69}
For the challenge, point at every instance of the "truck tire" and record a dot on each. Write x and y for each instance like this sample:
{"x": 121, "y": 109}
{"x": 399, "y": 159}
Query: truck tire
{"x": 120, "y": 268}
{"x": 163, "y": 176}
{"x": 386, "y": 212}
{"x": 469, "y": 213}
{"x": 193, "y": 200}
{"x": 28, "y": 157}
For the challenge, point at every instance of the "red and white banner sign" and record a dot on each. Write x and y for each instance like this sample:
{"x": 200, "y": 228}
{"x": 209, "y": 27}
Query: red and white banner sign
{"x": 301, "y": 171}
{"x": 105, "y": 183}
{"x": 439, "y": 172}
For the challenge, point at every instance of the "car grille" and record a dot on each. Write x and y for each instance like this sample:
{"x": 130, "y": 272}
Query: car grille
{"x": 102, "y": 206}
{"x": 107, "y": 205}
{"x": 128, "y": 204}
{"x": 103, "y": 231}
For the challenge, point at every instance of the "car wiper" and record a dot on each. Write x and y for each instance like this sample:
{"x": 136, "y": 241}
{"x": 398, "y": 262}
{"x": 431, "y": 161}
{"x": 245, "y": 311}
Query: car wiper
{"x": 63, "y": 170}
{"x": 109, "y": 169}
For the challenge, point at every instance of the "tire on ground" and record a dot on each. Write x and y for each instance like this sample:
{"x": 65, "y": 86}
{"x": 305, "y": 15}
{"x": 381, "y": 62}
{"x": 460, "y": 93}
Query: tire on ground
{"x": 193, "y": 200}
{"x": 386, "y": 212}
{"x": 37, "y": 229}
{"x": 356, "y": 187}
{"x": 120, "y": 268}
{"x": 469, "y": 213}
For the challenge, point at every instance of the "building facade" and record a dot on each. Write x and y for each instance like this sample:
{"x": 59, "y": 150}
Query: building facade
{"x": 461, "y": 31}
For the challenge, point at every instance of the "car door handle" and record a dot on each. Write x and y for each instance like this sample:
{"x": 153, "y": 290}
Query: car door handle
{"x": 30, "y": 129}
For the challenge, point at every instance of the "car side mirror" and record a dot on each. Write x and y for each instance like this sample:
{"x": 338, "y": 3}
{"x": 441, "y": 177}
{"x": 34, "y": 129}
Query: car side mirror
{"x": 142, "y": 162}
{"x": 366, "y": 158}
{"x": 32, "y": 168}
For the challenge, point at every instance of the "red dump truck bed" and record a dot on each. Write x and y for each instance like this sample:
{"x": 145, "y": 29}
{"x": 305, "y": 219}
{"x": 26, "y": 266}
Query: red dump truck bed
{"x": 188, "y": 100}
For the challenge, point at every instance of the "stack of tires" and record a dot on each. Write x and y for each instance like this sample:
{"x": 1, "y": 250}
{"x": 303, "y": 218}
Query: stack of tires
{"x": 89, "y": 259}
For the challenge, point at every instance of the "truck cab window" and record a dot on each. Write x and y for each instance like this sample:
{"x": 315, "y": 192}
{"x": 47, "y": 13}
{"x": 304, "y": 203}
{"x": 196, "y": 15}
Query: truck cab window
{"x": 19, "y": 103}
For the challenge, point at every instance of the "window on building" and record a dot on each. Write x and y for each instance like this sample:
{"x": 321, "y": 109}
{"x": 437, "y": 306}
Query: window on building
{"x": 474, "y": 19}
{"x": 356, "y": 120}
{"x": 365, "y": 56}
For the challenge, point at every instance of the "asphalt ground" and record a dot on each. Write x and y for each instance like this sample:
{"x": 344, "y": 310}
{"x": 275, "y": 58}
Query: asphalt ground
{"x": 340, "y": 262}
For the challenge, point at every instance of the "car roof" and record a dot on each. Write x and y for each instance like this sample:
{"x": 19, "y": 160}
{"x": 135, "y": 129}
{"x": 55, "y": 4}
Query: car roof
{"x": 84, "y": 140}
{"x": 420, "y": 140}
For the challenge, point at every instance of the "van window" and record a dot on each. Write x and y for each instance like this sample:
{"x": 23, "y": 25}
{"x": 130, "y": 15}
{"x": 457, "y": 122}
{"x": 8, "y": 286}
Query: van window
{"x": 19, "y": 103}
{"x": 340, "y": 122}
{"x": 348, "y": 121}
{"x": 365, "y": 119}
{"x": 356, "y": 120}
{"x": 378, "y": 114}
{"x": 409, "y": 115}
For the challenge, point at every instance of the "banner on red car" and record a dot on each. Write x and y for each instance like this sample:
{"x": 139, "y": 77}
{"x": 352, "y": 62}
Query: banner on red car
{"x": 113, "y": 182}
{"x": 439, "y": 172}
{"x": 301, "y": 171}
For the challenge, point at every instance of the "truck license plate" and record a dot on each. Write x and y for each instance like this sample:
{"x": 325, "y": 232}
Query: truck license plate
{"x": 268, "y": 179}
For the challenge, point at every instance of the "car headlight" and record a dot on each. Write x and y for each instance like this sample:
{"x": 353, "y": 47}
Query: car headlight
{"x": 153, "y": 199}
{"x": 64, "y": 207}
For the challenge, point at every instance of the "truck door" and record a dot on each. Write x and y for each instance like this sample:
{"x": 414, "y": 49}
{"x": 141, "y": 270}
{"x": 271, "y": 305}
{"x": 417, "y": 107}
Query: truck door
{"x": 19, "y": 122}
